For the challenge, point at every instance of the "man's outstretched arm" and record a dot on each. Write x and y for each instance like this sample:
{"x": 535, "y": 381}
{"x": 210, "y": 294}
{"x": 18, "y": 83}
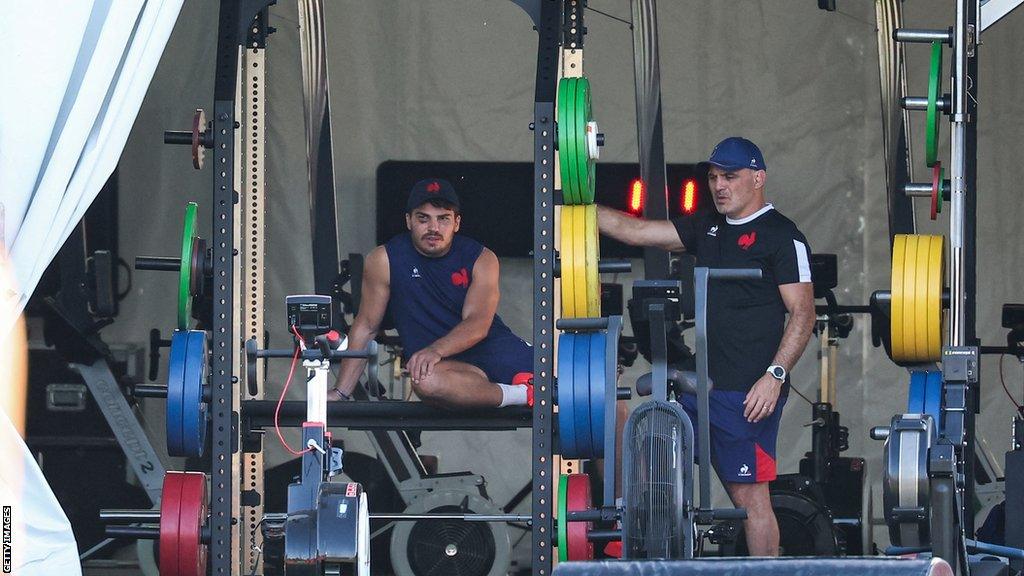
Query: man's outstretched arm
{"x": 638, "y": 231}
{"x": 376, "y": 292}
{"x": 477, "y": 315}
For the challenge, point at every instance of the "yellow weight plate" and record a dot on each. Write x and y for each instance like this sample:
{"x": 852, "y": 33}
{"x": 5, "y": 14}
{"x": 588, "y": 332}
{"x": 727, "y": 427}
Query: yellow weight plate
{"x": 917, "y": 279}
{"x": 566, "y": 254}
{"x": 897, "y": 297}
{"x": 922, "y": 305}
{"x": 936, "y": 278}
{"x": 909, "y": 294}
{"x": 593, "y": 255}
{"x": 579, "y": 246}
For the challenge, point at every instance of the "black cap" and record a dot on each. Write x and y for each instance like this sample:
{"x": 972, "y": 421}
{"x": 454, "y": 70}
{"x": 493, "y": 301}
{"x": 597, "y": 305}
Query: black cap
{"x": 431, "y": 189}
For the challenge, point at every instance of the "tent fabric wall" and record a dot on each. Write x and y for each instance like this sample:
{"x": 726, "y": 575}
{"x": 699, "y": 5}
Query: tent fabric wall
{"x": 76, "y": 74}
{"x": 453, "y": 80}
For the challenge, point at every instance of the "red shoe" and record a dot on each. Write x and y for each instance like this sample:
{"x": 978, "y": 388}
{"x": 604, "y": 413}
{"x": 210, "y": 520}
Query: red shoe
{"x": 613, "y": 549}
{"x": 525, "y": 379}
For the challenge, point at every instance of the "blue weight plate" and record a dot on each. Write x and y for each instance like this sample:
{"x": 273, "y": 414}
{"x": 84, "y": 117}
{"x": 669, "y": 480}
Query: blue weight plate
{"x": 915, "y": 395}
{"x": 566, "y": 425}
{"x": 598, "y": 341}
{"x": 581, "y": 395}
{"x": 175, "y": 392}
{"x": 933, "y": 397}
{"x": 193, "y": 429}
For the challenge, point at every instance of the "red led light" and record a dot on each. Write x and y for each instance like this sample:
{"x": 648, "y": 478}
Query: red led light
{"x": 688, "y": 197}
{"x": 636, "y": 196}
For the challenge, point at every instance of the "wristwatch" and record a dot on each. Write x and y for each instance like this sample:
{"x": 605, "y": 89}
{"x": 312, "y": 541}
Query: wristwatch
{"x": 778, "y": 372}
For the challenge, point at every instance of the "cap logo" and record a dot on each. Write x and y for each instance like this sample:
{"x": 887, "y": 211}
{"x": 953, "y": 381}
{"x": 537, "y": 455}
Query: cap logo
{"x": 433, "y": 187}
{"x": 753, "y": 161}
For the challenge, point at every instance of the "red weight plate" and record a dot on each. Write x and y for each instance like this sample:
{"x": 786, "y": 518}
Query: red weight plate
{"x": 170, "y": 510}
{"x": 191, "y": 550}
{"x": 198, "y": 127}
{"x": 936, "y": 189}
{"x": 577, "y": 495}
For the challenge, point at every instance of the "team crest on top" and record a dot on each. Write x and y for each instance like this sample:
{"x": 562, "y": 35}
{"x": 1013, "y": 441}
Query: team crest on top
{"x": 713, "y": 231}
{"x": 416, "y": 272}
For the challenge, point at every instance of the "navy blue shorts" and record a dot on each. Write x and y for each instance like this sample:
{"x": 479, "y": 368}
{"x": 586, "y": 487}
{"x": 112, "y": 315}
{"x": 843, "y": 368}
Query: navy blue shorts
{"x": 741, "y": 451}
{"x": 499, "y": 359}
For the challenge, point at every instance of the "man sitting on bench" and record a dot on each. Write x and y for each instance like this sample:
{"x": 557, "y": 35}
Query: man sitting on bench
{"x": 441, "y": 289}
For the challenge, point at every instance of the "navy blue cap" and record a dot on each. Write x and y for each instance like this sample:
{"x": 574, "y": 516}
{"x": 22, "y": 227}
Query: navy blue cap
{"x": 735, "y": 153}
{"x": 431, "y": 189}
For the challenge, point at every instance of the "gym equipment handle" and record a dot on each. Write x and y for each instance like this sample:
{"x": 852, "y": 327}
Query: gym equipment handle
{"x": 113, "y": 516}
{"x": 879, "y": 433}
{"x": 150, "y": 391}
{"x": 923, "y": 36}
{"x": 316, "y": 354}
{"x": 729, "y": 514}
{"x": 734, "y": 274}
{"x": 161, "y": 263}
{"x": 178, "y": 137}
{"x": 137, "y": 532}
{"x": 585, "y": 324}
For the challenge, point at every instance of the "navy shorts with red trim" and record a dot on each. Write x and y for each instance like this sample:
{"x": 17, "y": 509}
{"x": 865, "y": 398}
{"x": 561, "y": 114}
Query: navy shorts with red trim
{"x": 741, "y": 451}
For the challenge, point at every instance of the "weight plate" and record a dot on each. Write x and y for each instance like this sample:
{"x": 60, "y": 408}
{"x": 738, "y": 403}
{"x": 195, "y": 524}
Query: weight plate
{"x": 936, "y": 190}
{"x": 584, "y": 160}
{"x": 198, "y": 127}
{"x": 565, "y": 252}
{"x": 933, "y": 398}
{"x": 577, "y": 495}
{"x": 921, "y": 301}
{"x": 943, "y": 190}
{"x": 593, "y": 255}
{"x": 916, "y": 306}
{"x": 898, "y": 296}
{"x": 932, "y": 122}
{"x": 936, "y": 278}
{"x": 563, "y": 518}
{"x": 185, "y": 271}
{"x": 579, "y": 253}
{"x": 915, "y": 396}
{"x": 195, "y": 285}
{"x": 566, "y": 423}
{"x": 194, "y": 411}
{"x": 566, "y": 117}
{"x": 598, "y": 401}
{"x": 581, "y": 395}
{"x": 170, "y": 511}
{"x": 176, "y": 392}
{"x": 191, "y": 519}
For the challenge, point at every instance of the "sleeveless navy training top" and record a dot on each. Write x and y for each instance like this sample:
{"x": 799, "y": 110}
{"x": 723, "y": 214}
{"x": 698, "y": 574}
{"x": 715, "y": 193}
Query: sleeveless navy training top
{"x": 427, "y": 294}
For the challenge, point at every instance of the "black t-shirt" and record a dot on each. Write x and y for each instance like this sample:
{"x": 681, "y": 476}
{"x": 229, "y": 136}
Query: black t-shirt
{"x": 746, "y": 318}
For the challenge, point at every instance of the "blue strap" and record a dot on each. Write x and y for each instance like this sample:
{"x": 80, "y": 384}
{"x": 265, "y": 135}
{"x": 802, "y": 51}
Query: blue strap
{"x": 915, "y": 396}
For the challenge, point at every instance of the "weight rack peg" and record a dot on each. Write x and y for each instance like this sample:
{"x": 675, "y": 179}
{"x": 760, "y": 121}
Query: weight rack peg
{"x": 923, "y": 36}
{"x": 943, "y": 103}
{"x": 922, "y": 190}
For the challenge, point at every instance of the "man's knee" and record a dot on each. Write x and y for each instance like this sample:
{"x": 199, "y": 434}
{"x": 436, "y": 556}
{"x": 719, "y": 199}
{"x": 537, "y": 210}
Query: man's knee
{"x": 755, "y": 497}
{"x": 431, "y": 387}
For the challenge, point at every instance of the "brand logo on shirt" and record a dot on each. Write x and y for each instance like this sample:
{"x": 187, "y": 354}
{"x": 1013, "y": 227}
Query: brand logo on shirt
{"x": 416, "y": 272}
{"x": 460, "y": 278}
{"x": 744, "y": 470}
{"x": 747, "y": 240}
{"x": 713, "y": 231}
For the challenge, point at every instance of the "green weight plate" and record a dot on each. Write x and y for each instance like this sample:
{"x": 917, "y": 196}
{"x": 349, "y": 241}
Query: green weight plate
{"x": 584, "y": 163}
{"x": 574, "y": 142}
{"x": 185, "y": 274}
{"x": 932, "y": 123}
{"x": 567, "y": 139}
{"x": 563, "y": 521}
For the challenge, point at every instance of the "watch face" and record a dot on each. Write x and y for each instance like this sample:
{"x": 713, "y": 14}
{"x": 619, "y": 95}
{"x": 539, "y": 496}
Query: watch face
{"x": 778, "y": 372}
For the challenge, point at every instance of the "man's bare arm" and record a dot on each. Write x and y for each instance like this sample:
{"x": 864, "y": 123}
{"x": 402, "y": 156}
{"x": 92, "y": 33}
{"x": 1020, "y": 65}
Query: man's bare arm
{"x": 375, "y": 295}
{"x": 799, "y": 300}
{"x": 638, "y": 231}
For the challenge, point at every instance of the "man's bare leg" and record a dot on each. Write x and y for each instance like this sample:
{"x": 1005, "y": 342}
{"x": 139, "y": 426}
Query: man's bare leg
{"x": 455, "y": 384}
{"x": 761, "y": 527}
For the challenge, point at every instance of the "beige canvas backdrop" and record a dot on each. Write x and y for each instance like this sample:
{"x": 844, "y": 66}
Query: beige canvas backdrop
{"x": 453, "y": 80}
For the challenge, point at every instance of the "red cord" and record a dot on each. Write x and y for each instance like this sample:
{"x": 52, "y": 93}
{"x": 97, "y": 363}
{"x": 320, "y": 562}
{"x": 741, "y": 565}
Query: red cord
{"x": 277, "y": 411}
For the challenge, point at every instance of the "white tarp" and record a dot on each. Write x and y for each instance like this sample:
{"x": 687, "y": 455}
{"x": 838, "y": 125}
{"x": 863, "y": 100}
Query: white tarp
{"x": 75, "y": 73}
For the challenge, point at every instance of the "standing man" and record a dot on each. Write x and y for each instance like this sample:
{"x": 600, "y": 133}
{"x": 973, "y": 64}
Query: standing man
{"x": 442, "y": 292}
{"x": 751, "y": 346}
